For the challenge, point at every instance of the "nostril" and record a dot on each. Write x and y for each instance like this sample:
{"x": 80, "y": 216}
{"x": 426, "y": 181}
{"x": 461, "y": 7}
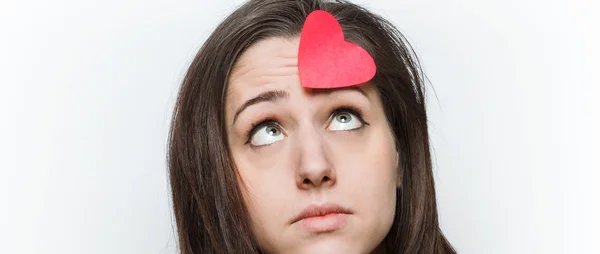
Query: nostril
{"x": 324, "y": 180}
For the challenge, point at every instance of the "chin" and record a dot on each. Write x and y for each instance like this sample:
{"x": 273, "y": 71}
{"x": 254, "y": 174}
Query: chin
{"x": 329, "y": 245}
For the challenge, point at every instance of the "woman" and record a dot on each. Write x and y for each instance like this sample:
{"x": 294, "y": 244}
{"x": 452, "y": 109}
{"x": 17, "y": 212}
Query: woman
{"x": 261, "y": 163}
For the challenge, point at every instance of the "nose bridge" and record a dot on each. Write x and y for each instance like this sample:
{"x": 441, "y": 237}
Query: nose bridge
{"x": 314, "y": 167}
{"x": 311, "y": 146}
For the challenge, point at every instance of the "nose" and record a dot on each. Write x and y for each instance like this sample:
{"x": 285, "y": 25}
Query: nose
{"x": 314, "y": 169}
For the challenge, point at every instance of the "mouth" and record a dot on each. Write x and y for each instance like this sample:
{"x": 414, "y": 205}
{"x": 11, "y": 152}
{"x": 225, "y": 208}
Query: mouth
{"x": 322, "y": 218}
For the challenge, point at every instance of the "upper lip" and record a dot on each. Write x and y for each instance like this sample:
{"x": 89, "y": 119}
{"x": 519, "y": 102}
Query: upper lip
{"x": 320, "y": 210}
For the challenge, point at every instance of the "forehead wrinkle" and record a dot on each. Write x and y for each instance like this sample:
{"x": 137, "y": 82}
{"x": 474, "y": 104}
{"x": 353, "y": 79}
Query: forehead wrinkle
{"x": 261, "y": 55}
{"x": 268, "y": 62}
{"x": 277, "y": 67}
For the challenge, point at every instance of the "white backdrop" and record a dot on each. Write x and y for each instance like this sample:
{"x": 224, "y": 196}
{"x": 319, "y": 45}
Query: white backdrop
{"x": 87, "y": 89}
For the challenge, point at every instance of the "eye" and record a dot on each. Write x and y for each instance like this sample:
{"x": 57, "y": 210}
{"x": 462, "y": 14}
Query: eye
{"x": 345, "y": 121}
{"x": 267, "y": 135}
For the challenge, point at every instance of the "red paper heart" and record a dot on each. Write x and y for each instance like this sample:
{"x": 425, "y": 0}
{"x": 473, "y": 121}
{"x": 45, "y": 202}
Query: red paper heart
{"x": 326, "y": 60}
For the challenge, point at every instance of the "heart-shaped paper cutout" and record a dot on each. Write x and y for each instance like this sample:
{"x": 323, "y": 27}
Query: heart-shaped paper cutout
{"x": 326, "y": 60}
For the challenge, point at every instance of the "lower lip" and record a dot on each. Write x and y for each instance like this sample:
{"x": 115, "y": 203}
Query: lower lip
{"x": 325, "y": 223}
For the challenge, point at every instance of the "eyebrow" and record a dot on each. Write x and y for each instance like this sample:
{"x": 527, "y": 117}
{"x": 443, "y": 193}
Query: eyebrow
{"x": 274, "y": 95}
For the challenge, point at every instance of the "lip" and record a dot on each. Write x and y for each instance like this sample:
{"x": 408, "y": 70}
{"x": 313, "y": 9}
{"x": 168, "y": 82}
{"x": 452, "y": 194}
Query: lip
{"x": 322, "y": 218}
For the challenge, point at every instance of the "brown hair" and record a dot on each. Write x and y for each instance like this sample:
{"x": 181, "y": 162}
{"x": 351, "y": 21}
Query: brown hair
{"x": 209, "y": 208}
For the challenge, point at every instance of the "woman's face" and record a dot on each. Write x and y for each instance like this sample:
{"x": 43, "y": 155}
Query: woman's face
{"x": 318, "y": 168}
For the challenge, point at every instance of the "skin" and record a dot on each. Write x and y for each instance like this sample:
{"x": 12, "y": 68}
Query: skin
{"x": 312, "y": 155}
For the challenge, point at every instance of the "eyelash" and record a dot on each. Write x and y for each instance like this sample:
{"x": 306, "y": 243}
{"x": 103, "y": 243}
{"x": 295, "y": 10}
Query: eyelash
{"x": 270, "y": 121}
{"x": 352, "y": 110}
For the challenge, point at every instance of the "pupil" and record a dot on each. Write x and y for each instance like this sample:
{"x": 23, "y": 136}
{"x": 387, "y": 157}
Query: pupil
{"x": 272, "y": 131}
{"x": 343, "y": 118}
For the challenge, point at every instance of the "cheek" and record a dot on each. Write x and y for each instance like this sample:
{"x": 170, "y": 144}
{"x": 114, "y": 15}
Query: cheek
{"x": 267, "y": 190}
{"x": 261, "y": 185}
{"x": 374, "y": 174}
{"x": 371, "y": 174}
{"x": 371, "y": 159}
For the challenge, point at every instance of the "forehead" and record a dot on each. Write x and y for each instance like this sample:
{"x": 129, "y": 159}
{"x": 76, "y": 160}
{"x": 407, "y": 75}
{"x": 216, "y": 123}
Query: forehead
{"x": 274, "y": 47}
{"x": 266, "y": 56}
{"x": 269, "y": 63}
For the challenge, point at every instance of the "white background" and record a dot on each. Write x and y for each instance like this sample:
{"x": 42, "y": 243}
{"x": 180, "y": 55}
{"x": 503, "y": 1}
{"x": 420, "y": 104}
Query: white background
{"x": 87, "y": 89}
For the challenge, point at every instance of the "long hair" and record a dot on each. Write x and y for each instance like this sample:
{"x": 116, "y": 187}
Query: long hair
{"x": 209, "y": 208}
